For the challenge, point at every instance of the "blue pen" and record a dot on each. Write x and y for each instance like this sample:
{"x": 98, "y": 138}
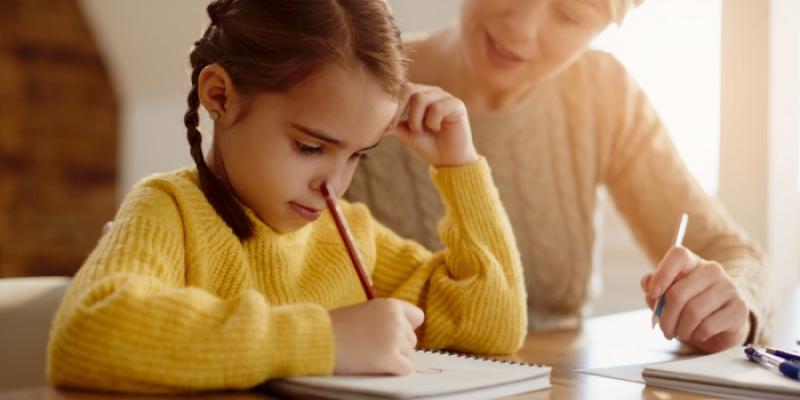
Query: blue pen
{"x": 785, "y": 354}
{"x": 787, "y": 368}
{"x": 678, "y": 241}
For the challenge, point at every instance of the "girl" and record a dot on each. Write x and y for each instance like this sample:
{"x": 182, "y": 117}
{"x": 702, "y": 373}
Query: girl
{"x": 560, "y": 120}
{"x": 229, "y": 274}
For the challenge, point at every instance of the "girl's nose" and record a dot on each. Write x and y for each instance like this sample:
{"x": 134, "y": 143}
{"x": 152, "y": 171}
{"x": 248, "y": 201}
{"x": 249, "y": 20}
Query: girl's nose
{"x": 334, "y": 176}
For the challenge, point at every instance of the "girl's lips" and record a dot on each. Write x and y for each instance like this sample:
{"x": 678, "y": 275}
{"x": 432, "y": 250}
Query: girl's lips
{"x": 499, "y": 56}
{"x": 308, "y": 213}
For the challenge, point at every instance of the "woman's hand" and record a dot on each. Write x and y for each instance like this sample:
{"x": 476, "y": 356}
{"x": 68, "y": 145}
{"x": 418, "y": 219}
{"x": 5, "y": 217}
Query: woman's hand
{"x": 435, "y": 125}
{"x": 375, "y": 337}
{"x": 702, "y": 306}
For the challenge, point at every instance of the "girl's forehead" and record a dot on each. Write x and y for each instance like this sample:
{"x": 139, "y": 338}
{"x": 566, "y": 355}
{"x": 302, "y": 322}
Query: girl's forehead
{"x": 348, "y": 105}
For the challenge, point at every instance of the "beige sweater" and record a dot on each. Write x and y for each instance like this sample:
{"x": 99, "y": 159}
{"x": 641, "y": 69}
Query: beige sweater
{"x": 588, "y": 127}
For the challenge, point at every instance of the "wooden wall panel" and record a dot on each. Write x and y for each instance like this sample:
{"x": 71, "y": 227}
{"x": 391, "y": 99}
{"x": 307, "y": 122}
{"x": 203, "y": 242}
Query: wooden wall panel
{"x": 58, "y": 138}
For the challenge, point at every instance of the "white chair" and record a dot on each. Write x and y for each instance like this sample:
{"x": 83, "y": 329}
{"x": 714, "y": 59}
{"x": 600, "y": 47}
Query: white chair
{"x": 27, "y": 306}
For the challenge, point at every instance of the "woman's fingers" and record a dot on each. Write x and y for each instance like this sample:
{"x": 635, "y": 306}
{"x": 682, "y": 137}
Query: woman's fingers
{"x": 682, "y": 291}
{"x": 678, "y": 260}
{"x": 699, "y": 309}
{"x": 645, "y": 281}
{"x": 645, "y": 284}
{"x": 728, "y": 319}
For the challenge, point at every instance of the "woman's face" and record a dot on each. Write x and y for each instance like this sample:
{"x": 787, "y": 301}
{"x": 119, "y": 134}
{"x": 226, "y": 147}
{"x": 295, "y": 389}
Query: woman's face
{"x": 508, "y": 43}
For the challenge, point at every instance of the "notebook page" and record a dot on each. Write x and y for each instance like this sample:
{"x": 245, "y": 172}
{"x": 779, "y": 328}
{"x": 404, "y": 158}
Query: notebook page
{"x": 435, "y": 373}
{"x": 729, "y": 368}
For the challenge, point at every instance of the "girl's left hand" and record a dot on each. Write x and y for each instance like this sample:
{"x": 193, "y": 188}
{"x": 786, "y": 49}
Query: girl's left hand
{"x": 435, "y": 125}
{"x": 702, "y": 306}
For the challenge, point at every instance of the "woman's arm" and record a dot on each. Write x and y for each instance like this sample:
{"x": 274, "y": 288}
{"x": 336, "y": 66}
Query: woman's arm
{"x": 651, "y": 187}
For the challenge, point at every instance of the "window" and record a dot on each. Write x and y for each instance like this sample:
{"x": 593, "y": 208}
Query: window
{"x": 672, "y": 48}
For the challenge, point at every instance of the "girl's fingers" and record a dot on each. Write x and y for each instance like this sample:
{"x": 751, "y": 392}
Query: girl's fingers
{"x": 439, "y": 111}
{"x": 405, "y": 357}
{"x": 417, "y": 106}
{"x": 414, "y": 315}
{"x": 699, "y": 308}
{"x": 677, "y": 260}
{"x": 412, "y": 338}
{"x": 678, "y": 295}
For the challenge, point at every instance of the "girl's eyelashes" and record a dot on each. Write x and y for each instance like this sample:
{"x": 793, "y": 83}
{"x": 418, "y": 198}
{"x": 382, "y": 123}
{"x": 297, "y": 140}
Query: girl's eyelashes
{"x": 306, "y": 150}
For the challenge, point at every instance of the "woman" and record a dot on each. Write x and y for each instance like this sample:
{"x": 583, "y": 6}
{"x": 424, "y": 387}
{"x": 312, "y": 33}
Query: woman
{"x": 556, "y": 122}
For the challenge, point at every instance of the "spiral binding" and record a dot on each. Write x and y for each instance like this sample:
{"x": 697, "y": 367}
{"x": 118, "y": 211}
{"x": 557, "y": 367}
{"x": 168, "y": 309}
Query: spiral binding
{"x": 480, "y": 358}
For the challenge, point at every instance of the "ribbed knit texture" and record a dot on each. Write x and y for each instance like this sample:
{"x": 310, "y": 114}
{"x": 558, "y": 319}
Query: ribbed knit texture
{"x": 170, "y": 300}
{"x": 590, "y": 126}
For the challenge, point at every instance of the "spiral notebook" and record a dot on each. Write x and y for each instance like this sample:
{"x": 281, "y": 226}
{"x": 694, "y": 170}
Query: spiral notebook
{"x": 727, "y": 373}
{"x": 438, "y": 375}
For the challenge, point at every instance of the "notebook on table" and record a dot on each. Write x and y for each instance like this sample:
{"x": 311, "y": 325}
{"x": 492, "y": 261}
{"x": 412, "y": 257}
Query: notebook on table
{"x": 438, "y": 375}
{"x": 728, "y": 373}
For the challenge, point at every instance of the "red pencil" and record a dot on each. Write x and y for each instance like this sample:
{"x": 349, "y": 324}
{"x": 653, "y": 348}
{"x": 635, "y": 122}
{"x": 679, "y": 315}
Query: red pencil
{"x": 347, "y": 238}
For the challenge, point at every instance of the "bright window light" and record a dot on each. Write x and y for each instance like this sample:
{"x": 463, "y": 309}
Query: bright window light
{"x": 672, "y": 49}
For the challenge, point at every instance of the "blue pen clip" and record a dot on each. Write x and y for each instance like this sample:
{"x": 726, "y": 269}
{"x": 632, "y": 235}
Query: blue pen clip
{"x": 785, "y": 354}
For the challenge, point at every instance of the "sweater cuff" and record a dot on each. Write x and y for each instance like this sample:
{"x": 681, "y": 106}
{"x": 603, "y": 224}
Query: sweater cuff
{"x": 301, "y": 341}
{"x": 748, "y": 276}
{"x": 755, "y": 312}
{"x": 754, "y": 316}
{"x": 468, "y": 191}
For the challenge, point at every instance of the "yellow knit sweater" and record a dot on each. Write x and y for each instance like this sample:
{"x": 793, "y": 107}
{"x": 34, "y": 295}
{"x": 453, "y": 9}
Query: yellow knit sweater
{"x": 171, "y": 300}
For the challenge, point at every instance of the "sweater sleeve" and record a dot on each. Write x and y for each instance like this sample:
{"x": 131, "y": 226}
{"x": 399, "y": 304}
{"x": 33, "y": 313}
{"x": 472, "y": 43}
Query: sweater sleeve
{"x": 651, "y": 187}
{"x": 130, "y": 323}
{"x": 472, "y": 291}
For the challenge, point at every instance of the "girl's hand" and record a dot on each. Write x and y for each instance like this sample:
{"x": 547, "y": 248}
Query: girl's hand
{"x": 702, "y": 306}
{"x": 435, "y": 125}
{"x": 375, "y": 337}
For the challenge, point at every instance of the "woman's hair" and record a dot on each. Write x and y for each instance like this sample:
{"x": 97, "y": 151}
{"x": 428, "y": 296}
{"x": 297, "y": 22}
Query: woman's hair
{"x": 619, "y": 8}
{"x": 271, "y": 46}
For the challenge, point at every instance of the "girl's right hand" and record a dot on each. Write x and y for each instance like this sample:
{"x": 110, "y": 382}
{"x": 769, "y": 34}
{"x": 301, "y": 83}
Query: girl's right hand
{"x": 375, "y": 337}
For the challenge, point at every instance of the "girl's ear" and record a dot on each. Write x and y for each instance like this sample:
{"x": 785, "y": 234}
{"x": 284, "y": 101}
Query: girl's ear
{"x": 218, "y": 95}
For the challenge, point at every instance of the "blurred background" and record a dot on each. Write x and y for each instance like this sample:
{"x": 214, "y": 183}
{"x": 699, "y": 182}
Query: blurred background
{"x": 93, "y": 95}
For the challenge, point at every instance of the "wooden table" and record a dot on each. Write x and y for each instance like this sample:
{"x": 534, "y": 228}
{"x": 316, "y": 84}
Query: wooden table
{"x": 614, "y": 340}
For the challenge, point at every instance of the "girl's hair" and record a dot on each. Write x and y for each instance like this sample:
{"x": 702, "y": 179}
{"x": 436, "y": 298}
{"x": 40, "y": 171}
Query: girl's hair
{"x": 271, "y": 46}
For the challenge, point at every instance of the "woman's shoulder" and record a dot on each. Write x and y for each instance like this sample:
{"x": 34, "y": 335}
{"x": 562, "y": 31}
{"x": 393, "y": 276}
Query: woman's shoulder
{"x": 596, "y": 68}
{"x": 426, "y": 51}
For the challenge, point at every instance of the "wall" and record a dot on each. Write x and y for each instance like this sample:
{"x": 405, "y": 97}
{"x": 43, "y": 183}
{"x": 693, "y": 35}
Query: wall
{"x": 58, "y": 140}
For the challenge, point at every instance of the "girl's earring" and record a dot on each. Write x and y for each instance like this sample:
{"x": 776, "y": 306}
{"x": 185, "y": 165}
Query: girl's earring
{"x": 214, "y": 115}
